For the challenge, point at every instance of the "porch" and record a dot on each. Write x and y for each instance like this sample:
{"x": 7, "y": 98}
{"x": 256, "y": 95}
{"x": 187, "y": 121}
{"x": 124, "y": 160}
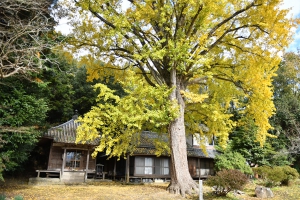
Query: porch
{"x": 58, "y": 181}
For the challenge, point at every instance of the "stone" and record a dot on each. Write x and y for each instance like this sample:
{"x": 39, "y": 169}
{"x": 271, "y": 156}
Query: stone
{"x": 263, "y": 192}
{"x": 239, "y": 192}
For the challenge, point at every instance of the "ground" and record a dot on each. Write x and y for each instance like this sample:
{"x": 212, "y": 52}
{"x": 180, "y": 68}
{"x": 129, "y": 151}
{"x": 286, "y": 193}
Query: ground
{"x": 119, "y": 191}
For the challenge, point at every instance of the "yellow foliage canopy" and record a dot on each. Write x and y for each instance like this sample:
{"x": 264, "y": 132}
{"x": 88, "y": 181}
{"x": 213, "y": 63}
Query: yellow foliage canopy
{"x": 118, "y": 121}
{"x": 222, "y": 51}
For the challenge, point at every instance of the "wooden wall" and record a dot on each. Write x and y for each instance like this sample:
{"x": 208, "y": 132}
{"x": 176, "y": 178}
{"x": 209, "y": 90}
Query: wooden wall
{"x": 55, "y": 158}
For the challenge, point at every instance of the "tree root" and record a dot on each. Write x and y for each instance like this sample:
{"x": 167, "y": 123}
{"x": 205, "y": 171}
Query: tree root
{"x": 183, "y": 188}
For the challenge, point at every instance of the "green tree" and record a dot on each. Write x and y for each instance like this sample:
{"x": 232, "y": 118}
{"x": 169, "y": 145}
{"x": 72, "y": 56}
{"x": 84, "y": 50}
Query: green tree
{"x": 287, "y": 102}
{"x": 232, "y": 160}
{"x": 2, "y": 158}
{"x": 85, "y": 96}
{"x": 17, "y": 149}
{"x": 208, "y": 53}
{"x": 57, "y": 78}
{"x": 21, "y": 116}
{"x": 286, "y": 99}
{"x": 273, "y": 153}
{"x": 20, "y": 112}
{"x": 24, "y": 29}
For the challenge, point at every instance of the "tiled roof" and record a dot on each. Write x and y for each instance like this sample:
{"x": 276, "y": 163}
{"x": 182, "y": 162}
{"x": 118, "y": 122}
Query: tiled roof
{"x": 147, "y": 146}
{"x": 65, "y": 133}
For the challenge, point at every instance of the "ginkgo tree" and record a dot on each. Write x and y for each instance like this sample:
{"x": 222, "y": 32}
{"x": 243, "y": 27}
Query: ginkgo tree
{"x": 208, "y": 54}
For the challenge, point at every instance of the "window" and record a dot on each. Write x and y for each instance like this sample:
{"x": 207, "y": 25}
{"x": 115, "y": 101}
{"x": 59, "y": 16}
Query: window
{"x": 151, "y": 165}
{"x": 201, "y": 167}
{"x": 143, "y": 165}
{"x": 73, "y": 159}
{"x": 161, "y": 166}
{"x": 206, "y": 167}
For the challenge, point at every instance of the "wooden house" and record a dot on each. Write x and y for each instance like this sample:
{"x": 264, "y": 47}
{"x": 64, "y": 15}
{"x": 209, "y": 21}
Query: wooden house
{"x": 68, "y": 161}
{"x": 72, "y": 162}
{"x": 144, "y": 166}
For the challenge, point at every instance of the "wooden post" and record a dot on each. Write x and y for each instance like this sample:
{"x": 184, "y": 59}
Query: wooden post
{"x": 50, "y": 155}
{"x": 87, "y": 165}
{"x": 200, "y": 190}
{"x": 115, "y": 168}
{"x": 63, "y": 162}
{"x": 127, "y": 169}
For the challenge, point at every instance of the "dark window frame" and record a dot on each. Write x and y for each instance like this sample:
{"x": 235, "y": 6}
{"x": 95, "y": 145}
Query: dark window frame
{"x": 73, "y": 159}
{"x": 151, "y": 166}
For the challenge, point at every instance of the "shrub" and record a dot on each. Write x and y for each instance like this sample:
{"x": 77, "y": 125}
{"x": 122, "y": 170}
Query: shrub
{"x": 290, "y": 175}
{"x": 18, "y": 198}
{"x": 276, "y": 175}
{"x": 232, "y": 160}
{"x": 262, "y": 171}
{"x": 227, "y": 180}
{"x": 2, "y": 197}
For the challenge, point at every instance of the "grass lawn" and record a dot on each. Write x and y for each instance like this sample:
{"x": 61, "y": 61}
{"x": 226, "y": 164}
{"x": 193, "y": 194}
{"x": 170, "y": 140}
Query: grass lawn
{"x": 119, "y": 191}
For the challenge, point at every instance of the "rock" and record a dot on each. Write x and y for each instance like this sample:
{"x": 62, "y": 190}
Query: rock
{"x": 239, "y": 192}
{"x": 263, "y": 192}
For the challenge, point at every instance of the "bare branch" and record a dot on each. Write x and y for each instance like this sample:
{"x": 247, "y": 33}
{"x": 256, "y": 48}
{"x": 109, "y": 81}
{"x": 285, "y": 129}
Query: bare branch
{"x": 23, "y": 26}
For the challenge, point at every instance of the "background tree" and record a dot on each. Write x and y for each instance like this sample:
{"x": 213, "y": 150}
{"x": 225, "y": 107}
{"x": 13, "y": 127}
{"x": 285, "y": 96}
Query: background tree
{"x": 24, "y": 33}
{"x": 21, "y": 116}
{"x": 2, "y": 159}
{"x": 85, "y": 96}
{"x": 232, "y": 160}
{"x": 273, "y": 153}
{"x": 217, "y": 51}
{"x": 287, "y": 101}
{"x": 23, "y": 27}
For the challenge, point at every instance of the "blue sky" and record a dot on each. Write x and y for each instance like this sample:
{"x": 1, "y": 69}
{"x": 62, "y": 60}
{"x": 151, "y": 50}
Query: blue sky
{"x": 295, "y": 12}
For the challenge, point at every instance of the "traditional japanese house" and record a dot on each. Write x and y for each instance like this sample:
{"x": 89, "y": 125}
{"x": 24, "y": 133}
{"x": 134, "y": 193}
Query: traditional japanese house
{"x": 72, "y": 162}
{"x": 144, "y": 165}
{"x": 68, "y": 161}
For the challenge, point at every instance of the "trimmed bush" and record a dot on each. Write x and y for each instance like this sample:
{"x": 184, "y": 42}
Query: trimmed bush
{"x": 279, "y": 175}
{"x": 18, "y": 198}
{"x": 275, "y": 176}
{"x": 227, "y": 180}
{"x": 290, "y": 175}
{"x": 262, "y": 171}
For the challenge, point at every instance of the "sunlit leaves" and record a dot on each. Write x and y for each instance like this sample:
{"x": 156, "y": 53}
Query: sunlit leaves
{"x": 117, "y": 121}
{"x": 222, "y": 52}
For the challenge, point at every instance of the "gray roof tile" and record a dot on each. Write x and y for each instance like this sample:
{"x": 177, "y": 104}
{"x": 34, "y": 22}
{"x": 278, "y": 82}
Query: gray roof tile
{"x": 65, "y": 133}
{"x": 147, "y": 146}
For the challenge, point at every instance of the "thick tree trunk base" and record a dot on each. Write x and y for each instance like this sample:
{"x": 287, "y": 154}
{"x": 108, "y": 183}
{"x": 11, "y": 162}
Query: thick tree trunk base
{"x": 183, "y": 188}
{"x": 181, "y": 180}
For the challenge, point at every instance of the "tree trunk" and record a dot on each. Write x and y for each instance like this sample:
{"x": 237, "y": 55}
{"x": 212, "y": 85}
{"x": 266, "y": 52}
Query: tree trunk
{"x": 181, "y": 180}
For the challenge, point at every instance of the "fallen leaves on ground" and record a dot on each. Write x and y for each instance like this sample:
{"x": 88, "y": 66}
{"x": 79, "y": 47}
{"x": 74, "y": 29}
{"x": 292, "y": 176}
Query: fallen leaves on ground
{"x": 119, "y": 191}
{"x": 97, "y": 191}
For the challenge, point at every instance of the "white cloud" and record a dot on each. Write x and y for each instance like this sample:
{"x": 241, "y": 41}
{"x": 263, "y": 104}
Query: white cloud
{"x": 294, "y": 5}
